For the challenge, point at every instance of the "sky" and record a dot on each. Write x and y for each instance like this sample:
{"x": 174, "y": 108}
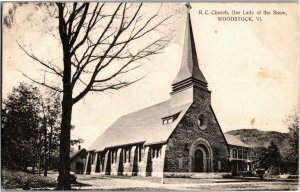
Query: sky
{"x": 251, "y": 67}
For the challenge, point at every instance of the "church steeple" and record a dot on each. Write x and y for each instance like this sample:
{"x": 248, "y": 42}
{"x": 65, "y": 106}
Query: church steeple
{"x": 189, "y": 73}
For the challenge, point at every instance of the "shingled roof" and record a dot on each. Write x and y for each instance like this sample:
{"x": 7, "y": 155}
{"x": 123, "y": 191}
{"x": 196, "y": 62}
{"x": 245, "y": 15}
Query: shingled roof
{"x": 233, "y": 140}
{"x": 143, "y": 126}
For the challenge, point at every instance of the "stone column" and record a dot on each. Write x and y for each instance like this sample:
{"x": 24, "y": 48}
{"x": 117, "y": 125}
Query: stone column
{"x": 87, "y": 163}
{"x": 93, "y": 169}
{"x": 191, "y": 164}
{"x": 143, "y": 163}
{"x": 127, "y": 156}
{"x": 111, "y": 157}
{"x": 106, "y": 170}
{"x": 205, "y": 164}
{"x": 113, "y": 170}
{"x": 115, "y": 165}
{"x": 158, "y": 166}
{"x": 126, "y": 164}
{"x": 117, "y": 160}
{"x": 137, "y": 153}
{"x": 100, "y": 163}
{"x": 123, "y": 155}
{"x": 132, "y": 156}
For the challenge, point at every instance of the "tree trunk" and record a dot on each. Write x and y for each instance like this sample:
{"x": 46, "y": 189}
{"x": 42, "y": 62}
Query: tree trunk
{"x": 35, "y": 159}
{"x": 45, "y": 164}
{"x": 45, "y": 146}
{"x": 64, "y": 157}
{"x": 67, "y": 105}
{"x": 39, "y": 152}
{"x": 50, "y": 144}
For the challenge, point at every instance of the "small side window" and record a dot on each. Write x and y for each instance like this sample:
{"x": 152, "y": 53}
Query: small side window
{"x": 240, "y": 154}
{"x": 234, "y": 153}
{"x": 170, "y": 119}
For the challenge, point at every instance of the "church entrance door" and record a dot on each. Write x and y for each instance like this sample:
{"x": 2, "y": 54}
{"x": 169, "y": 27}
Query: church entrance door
{"x": 201, "y": 156}
{"x": 198, "y": 166}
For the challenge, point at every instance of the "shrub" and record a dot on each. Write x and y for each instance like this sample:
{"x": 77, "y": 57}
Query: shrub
{"x": 16, "y": 179}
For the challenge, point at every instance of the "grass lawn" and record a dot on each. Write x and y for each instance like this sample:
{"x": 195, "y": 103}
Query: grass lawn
{"x": 13, "y": 179}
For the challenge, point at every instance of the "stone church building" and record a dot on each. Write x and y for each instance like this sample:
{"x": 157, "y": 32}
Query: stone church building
{"x": 178, "y": 135}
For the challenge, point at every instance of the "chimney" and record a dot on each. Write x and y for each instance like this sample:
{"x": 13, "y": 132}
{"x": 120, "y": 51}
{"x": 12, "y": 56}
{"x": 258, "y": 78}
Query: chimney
{"x": 79, "y": 147}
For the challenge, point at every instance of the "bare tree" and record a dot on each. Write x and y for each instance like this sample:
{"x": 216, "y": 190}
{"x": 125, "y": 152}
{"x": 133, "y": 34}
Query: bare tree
{"x": 99, "y": 51}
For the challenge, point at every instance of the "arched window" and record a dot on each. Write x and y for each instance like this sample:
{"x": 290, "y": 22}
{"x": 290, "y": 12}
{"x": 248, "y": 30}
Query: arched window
{"x": 202, "y": 121}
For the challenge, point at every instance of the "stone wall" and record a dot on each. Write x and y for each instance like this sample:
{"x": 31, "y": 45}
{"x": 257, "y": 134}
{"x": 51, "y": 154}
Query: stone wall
{"x": 78, "y": 159}
{"x": 178, "y": 158}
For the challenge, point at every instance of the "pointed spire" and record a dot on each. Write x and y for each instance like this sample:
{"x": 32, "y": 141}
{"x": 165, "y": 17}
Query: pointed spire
{"x": 189, "y": 63}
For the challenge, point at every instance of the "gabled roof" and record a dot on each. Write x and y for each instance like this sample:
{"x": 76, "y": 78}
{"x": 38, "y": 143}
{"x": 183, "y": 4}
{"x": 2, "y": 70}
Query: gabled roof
{"x": 143, "y": 126}
{"x": 76, "y": 153}
{"x": 233, "y": 140}
{"x": 189, "y": 63}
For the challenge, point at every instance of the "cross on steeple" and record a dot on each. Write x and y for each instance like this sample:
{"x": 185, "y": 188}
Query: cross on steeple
{"x": 188, "y": 6}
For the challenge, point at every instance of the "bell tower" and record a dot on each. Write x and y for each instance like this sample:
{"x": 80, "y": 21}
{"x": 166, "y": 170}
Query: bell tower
{"x": 189, "y": 76}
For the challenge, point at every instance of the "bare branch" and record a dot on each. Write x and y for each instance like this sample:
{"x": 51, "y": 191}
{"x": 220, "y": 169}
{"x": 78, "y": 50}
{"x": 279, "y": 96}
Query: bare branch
{"x": 62, "y": 24}
{"x": 116, "y": 86}
{"x": 156, "y": 47}
{"x": 77, "y": 75}
{"x": 93, "y": 20}
{"x": 83, "y": 16}
{"x": 100, "y": 50}
{"x": 48, "y": 66}
{"x": 41, "y": 83}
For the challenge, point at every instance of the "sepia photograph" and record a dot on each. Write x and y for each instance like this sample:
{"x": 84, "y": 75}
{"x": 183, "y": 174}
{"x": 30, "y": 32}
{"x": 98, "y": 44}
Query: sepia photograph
{"x": 150, "y": 96}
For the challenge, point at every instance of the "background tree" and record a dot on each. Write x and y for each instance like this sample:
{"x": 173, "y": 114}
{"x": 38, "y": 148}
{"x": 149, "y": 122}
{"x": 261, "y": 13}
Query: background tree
{"x": 293, "y": 152}
{"x": 30, "y": 128}
{"x": 20, "y": 127}
{"x": 269, "y": 159}
{"x": 50, "y": 130}
{"x": 100, "y": 48}
{"x": 51, "y": 113}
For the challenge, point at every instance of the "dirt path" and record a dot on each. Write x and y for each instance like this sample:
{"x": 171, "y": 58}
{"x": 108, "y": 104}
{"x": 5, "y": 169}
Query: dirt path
{"x": 139, "y": 183}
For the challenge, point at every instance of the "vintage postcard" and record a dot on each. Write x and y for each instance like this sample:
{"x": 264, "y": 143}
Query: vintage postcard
{"x": 167, "y": 96}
